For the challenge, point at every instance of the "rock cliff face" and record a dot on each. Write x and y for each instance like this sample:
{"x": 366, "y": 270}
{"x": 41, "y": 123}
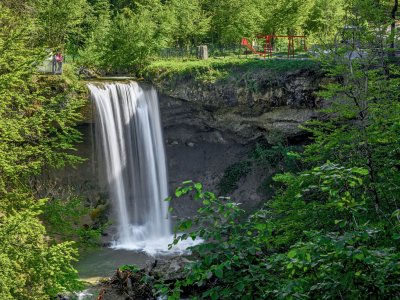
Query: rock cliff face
{"x": 240, "y": 109}
{"x": 210, "y": 126}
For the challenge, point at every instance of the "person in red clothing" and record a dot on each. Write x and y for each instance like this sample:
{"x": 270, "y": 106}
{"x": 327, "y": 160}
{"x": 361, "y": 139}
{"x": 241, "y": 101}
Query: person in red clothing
{"x": 59, "y": 60}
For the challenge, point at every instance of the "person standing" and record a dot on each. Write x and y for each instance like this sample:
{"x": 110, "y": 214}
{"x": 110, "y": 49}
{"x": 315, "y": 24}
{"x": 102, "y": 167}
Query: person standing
{"x": 59, "y": 60}
{"x": 53, "y": 62}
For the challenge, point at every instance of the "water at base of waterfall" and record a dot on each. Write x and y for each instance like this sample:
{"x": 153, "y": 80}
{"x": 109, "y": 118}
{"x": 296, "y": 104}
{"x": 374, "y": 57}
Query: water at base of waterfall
{"x": 157, "y": 246}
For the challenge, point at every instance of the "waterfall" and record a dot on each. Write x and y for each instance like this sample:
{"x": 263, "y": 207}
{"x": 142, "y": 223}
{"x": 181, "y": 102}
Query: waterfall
{"x": 129, "y": 129}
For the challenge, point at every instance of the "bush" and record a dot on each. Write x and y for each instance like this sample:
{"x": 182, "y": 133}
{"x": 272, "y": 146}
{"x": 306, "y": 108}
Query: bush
{"x": 31, "y": 267}
{"x": 270, "y": 255}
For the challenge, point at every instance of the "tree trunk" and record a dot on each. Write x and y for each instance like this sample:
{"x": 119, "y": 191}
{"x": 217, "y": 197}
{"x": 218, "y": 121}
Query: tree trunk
{"x": 393, "y": 25}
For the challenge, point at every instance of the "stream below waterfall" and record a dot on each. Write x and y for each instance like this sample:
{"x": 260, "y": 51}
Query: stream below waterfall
{"x": 102, "y": 262}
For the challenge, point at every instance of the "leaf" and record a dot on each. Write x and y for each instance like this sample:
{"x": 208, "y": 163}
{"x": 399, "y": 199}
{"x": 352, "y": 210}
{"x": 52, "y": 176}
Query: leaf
{"x": 292, "y": 253}
{"x": 214, "y": 295}
{"x": 240, "y": 286}
{"x": 198, "y": 186}
{"x": 360, "y": 171}
{"x": 219, "y": 272}
{"x": 359, "y": 256}
{"x": 178, "y": 193}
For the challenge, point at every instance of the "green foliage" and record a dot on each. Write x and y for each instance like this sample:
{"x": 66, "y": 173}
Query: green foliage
{"x": 37, "y": 119}
{"x": 130, "y": 40}
{"x": 326, "y": 197}
{"x": 274, "y": 159}
{"x": 232, "y": 175}
{"x": 63, "y": 220}
{"x": 130, "y": 268}
{"x": 190, "y": 22}
{"x": 271, "y": 158}
{"x": 231, "y": 20}
{"x": 270, "y": 255}
{"x": 218, "y": 254}
{"x": 59, "y": 21}
{"x": 363, "y": 127}
{"x": 91, "y": 52}
{"x": 353, "y": 264}
{"x": 219, "y": 69}
{"x": 284, "y": 158}
{"x": 31, "y": 267}
{"x": 325, "y": 18}
{"x": 123, "y": 36}
{"x": 36, "y": 115}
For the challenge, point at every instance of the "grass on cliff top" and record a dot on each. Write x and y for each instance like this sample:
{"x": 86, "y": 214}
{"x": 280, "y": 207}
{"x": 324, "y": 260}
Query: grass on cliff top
{"x": 215, "y": 69}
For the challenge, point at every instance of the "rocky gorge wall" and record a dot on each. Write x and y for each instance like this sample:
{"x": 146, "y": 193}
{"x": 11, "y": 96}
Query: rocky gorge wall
{"x": 208, "y": 126}
{"x": 221, "y": 121}
{"x": 241, "y": 108}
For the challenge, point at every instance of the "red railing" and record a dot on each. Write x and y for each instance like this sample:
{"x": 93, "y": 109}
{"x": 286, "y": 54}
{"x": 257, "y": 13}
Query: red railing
{"x": 268, "y": 48}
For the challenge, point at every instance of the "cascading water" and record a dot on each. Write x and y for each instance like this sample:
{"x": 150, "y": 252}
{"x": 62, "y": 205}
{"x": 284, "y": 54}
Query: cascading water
{"x": 132, "y": 145}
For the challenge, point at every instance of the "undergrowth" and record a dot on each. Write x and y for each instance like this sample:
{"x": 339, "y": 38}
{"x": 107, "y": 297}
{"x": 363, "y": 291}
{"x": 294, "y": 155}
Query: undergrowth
{"x": 217, "y": 69}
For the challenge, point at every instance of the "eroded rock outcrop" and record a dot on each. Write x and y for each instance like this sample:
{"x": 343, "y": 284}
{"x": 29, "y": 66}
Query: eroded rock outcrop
{"x": 241, "y": 108}
{"x": 132, "y": 283}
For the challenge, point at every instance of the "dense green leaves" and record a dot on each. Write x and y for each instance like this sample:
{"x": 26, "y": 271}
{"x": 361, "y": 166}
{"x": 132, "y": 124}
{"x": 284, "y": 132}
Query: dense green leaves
{"x": 60, "y": 21}
{"x": 37, "y": 119}
{"x": 122, "y": 36}
{"x": 36, "y": 269}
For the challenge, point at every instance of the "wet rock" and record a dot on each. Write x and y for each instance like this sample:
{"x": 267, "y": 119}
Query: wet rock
{"x": 168, "y": 269}
{"x": 137, "y": 284}
{"x": 129, "y": 283}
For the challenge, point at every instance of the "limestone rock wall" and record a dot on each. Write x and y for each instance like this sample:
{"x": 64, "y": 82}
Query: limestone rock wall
{"x": 241, "y": 109}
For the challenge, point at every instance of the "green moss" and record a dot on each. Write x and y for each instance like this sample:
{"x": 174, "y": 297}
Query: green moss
{"x": 232, "y": 175}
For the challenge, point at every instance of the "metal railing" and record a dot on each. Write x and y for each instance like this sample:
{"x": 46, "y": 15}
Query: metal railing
{"x": 220, "y": 51}
{"x": 191, "y": 52}
{"x": 49, "y": 66}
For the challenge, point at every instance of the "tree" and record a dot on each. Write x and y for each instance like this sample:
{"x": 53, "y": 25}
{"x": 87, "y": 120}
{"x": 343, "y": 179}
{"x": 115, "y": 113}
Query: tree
{"x": 286, "y": 17}
{"x": 133, "y": 37}
{"x": 393, "y": 23}
{"x": 324, "y": 20}
{"x": 60, "y": 20}
{"x": 364, "y": 101}
{"x": 37, "y": 119}
{"x": 92, "y": 52}
{"x": 231, "y": 20}
{"x": 30, "y": 267}
{"x": 191, "y": 25}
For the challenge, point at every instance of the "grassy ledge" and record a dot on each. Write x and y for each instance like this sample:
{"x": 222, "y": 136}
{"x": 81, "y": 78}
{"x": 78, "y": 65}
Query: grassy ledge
{"x": 217, "y": 69}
